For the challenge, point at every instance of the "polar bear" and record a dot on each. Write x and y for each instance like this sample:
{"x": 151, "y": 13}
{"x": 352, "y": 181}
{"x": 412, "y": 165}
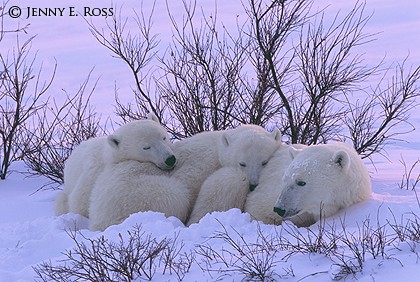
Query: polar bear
{"x": 321, "y": 180}
{"x": 260, "y": 202}
{"x": 243, "y": 152}
{"x": 80, "y": 172}
{"x": 249, "y": 147}
{"x": 225, "y": 189}
{"x": 144, "y": 141}
{"x": 123, "y": 189}
{"x": 202, "y": 154}
{"x": 197, "y": 158}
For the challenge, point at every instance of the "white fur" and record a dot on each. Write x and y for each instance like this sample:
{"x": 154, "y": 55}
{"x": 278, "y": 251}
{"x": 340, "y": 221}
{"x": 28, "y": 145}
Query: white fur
{"x": 144, "y": 141}
{"x": 260, "y": 202}
{"x": 243, "y": 151}
{"x": 197, "y": 158}
{"x": 122, "y": 189}
{"x": 80, "y": 172}
{"x": 249, "y": 148}
{"x": 321, "y": 180}
{"x": 224, "y": 189}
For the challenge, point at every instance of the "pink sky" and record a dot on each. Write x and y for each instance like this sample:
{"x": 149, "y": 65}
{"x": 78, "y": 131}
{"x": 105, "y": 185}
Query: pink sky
{"x": 67, "y": 39}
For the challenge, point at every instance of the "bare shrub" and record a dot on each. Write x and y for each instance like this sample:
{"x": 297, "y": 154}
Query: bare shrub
{"x": 3, "y": 30}
{"x": 21, "y": 97}
{"x": 356, "y": 246}
{"x": 136, "y": 51}
{"x": 347, "y": 249}
{"x": 386, "y": 113}
{"x": 56, "y": 130}
{"x": 202, "y": 86}
{"x": 327, "y": 74}
{"x": 177, "y": 261}
{"x": 205, "y": 82}
{"x": 407, "y": 180}
{"x": 283, "y": 66}
{"x": 135, "y": 256}
{"x": 407, "y": 229}
{"x": 255, "y": 261}
{"x": 200, "y": 96}
{"x": 322, "y": 240}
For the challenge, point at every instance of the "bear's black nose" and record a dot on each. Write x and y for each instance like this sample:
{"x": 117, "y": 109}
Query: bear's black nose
{"x": 170, "y": 162}
{"x": 279, "y": 211}
{"x": 252, "y": 187}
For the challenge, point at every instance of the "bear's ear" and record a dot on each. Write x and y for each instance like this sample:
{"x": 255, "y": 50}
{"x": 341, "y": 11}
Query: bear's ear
{"x": 342, "y": 159}
{"x": 276, "y": 134}
{"x": 114, "y": 141}
{"x": 153, "y": 117}
{"x": 293, "y": 152}
{"x": 226, "y": 141}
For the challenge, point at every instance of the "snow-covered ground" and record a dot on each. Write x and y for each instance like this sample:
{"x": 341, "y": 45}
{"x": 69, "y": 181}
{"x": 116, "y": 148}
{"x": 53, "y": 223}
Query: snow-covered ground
{"x": 30, "y": 233}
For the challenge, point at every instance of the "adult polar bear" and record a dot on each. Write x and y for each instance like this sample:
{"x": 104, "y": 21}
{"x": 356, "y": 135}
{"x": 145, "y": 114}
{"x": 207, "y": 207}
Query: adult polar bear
{"x": 321, "y": 180}
{"x": 243, "y": 153}
{"x": 144, "y": 141}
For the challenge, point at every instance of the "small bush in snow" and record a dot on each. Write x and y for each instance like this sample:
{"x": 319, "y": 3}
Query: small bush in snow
{"x": 134, "y": 256}
{"x": 228, "y": 253}
{"x": 407, "y": 181}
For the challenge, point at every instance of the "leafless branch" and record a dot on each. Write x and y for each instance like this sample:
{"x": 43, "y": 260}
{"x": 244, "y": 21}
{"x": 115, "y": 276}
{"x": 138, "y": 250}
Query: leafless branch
{"x": 385, "y": 115}
{"x": 136, "y": 51}
{"x": 57, "y": 129}
{"x": 21, "y": 97}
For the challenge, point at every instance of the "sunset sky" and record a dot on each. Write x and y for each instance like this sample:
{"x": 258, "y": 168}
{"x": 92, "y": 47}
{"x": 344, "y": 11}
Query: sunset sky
{"x": 67, "y": 39}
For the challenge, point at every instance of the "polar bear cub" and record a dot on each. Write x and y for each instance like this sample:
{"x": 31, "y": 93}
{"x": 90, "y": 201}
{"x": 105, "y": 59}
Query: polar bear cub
{"x": 144, "y": 141}
{"x": 201, "y": 155}
{"x": 197, "y": 158}
{"x": 225, "y": 189}
{"x": 80, "y": 172}
{"x": 243, "y": 152}
{"x": 123, "y": 189}
{"x": 249, "y": 147}
{"x": 321, "y": 180}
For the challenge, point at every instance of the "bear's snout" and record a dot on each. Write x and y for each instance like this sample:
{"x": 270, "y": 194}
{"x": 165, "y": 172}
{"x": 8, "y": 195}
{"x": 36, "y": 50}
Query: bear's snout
{"x": 252, "y": 187}
{"x": 170, "y": 161}
{"x": 281, "y": 212}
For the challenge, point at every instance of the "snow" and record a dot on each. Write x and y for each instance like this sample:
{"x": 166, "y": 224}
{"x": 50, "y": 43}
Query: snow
{"x": 30, "y": 233}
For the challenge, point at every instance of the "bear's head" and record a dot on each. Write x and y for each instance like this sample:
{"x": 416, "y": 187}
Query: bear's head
{"x": 249, "y": 147}
{"x": 143, "y": 141}
{"x": 321, "y": 180}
